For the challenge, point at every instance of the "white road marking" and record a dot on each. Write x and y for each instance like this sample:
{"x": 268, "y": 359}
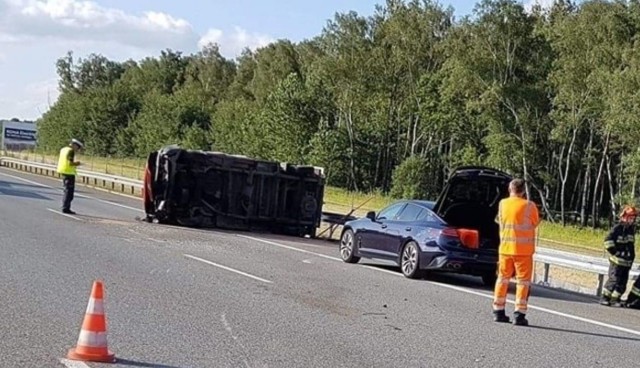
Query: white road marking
{"x": 306, "y": 261}
{"x": 227, "y": 327}
{"x": 290, "y": 248}
{"x": 64, "y": 214}
{"x": 77, "y": 195}
{"x": 228, "y": 268}
{"x": 73, "y": 363}
{"x": 463, "y": 290}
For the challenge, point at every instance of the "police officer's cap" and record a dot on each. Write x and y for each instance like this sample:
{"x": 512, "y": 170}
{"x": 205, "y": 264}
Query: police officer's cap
{"x": 75, "y": 141}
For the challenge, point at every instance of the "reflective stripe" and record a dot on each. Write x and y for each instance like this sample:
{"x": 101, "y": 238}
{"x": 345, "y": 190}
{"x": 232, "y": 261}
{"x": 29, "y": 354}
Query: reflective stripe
{"x": 620, "y": 261}
{"x": 95, "y": 306}
{"x": 92, "y": 339}
{"x": 616, "y": 294}
{"x": 606, "y": 292}
{"x": 500, "y": 280}
{"x": 521, "y": 306}
{"x": 518, "y": 227}
{"x": 523, "y": 282}
{"x": 635, "y": 290}
{"x": 625, "y": 239}
{"x": 522, "y": 240}
{"x": 609, "y": 244}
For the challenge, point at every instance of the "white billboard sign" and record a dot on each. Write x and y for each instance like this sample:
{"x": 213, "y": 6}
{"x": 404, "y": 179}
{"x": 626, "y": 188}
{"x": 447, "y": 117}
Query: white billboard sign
{"x": 18, "y": 135}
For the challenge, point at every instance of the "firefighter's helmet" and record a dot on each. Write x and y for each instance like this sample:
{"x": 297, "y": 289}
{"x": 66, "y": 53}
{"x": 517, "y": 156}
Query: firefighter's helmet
{"x": 628, "y": 211}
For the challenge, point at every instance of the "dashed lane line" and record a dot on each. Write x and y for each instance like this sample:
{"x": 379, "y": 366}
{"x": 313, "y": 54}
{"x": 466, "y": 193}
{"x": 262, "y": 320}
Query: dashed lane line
{"x": 461, "y": 289}
{"x": 228, "y": 268}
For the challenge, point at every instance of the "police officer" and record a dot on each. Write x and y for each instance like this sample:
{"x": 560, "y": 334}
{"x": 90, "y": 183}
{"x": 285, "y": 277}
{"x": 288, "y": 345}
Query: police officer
{"x": 67, "y": 169}
{"x": 620, "y": 244}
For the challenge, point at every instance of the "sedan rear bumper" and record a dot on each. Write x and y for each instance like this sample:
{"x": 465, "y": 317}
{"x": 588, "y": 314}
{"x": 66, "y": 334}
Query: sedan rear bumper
{"x": 459, "y": 262}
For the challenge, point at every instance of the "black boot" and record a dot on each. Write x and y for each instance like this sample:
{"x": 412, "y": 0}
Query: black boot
{"x": 500, "y": 316}
{"x": 519, "y": 319}
{"x": 605, "y": 301}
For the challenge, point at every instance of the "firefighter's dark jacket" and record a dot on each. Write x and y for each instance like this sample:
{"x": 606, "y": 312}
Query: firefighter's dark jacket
{"x": 620, "y": 243}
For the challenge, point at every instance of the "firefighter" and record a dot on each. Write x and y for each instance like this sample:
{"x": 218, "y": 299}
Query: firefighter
{"x": 633, "y": 300}
{"x": 67, "y": 170}
{"x": 620, "y": 244}
{"x": 518, "y": 219}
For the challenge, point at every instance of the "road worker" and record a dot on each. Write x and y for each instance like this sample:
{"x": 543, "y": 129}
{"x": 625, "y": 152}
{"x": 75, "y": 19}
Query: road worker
{"x": 620, "y": 244}
{"x": 67, "y": 170}
{"x": 518, "y": 219}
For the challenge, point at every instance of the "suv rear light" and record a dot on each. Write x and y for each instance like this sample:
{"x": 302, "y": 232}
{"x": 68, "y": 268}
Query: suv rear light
{"x": 469, "y": 238}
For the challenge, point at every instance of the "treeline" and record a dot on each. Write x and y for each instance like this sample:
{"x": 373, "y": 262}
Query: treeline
{"x": 393, "y": 101}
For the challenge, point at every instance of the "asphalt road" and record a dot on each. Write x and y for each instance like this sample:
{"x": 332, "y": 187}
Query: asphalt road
{"x": 180, "y": 297}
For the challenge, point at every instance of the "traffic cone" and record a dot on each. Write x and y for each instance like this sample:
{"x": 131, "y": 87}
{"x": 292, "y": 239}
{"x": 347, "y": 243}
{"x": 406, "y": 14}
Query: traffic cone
{"x": 92, "y": 342}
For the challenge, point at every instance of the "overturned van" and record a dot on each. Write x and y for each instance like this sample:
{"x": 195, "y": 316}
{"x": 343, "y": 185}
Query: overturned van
{"x": 214, "y": 189}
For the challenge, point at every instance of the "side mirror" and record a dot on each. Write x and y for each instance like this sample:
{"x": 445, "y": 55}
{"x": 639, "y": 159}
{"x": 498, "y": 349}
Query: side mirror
{"x": 371, "y": 215}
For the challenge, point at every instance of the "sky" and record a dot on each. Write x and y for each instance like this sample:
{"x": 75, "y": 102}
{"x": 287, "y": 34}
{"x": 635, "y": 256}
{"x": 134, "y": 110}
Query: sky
{"x": 35, "y": 33}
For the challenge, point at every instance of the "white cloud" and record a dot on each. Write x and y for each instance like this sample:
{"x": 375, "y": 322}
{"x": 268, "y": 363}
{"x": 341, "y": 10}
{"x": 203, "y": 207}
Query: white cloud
{"x": 231, "y": 45}
{"x": 87, "y": 21}
{"x": 544, "y": 4}
{"x": 34, "y": 33}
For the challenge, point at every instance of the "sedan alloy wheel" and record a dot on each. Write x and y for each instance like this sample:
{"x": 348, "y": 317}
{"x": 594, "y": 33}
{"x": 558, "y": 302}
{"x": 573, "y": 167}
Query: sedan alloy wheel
{"x": 346, "y": 247}
{"x": 410, "y": 261}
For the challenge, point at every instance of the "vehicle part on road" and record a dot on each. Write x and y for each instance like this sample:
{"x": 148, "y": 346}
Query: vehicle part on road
{"x": 92, "y": 342}
{"x": 214, "y": 189}
{"x": 456, "y": 233}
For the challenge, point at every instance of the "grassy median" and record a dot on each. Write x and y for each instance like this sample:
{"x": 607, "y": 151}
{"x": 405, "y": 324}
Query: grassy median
{"x": 338, "y": 200}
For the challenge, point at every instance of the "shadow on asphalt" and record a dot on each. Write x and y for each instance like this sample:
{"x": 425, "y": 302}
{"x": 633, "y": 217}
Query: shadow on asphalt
{"x": 4, "y": 183}
{"x": 476, "y": 283}
{"x": 471, "y": 282}
{"x": 133, "y": 363}
{"x": 23, "y": 190}
{"x": 584, "y": 333}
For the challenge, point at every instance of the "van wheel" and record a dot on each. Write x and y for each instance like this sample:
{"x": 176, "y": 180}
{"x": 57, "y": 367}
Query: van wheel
{"x": 410, "y": 261}
{"x": 346, "y": 247}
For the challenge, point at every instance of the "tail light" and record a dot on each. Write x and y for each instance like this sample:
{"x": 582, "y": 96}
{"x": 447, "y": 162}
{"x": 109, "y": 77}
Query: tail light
{"x": 469, "y": 238}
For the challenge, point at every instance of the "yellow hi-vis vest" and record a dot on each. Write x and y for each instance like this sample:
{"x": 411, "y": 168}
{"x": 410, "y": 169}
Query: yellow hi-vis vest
{"x": 518, "y": 220}
{"x": 64, "y": 164}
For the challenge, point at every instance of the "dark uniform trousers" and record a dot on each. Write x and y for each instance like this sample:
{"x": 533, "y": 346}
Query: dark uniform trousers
{"x": 69, "y": 183}
{"x": 633, "y": 300}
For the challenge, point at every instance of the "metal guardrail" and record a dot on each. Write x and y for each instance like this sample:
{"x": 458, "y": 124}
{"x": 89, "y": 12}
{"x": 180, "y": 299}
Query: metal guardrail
{"x": 98, "y": 180}
{"x": 546, "y": 256}
{"x": 597, "y": 265}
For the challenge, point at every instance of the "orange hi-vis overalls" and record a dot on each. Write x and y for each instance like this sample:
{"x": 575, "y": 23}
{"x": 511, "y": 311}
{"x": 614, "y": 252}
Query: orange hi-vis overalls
{"x": 518, "y": 219}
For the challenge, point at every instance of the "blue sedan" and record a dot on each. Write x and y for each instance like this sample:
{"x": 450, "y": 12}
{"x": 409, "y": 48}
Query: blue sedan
{"x": 456, "y": 233}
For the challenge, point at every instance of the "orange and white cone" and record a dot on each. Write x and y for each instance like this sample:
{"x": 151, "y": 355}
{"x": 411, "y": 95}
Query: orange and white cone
{"x": 92, "y": 342}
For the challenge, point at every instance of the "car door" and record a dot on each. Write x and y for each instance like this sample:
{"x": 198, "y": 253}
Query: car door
{"x": 372, "y": 241}
{"x": 400, "y": 228}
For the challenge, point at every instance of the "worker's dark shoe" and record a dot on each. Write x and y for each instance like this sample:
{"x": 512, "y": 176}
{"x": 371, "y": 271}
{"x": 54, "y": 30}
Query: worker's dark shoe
{"x": 520, "y": 320}
{"x": 68, "y": 212}
{"x": 500, "y": 316}
{"x": 617, "y": 303}
{"x": 605, "y": 302}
